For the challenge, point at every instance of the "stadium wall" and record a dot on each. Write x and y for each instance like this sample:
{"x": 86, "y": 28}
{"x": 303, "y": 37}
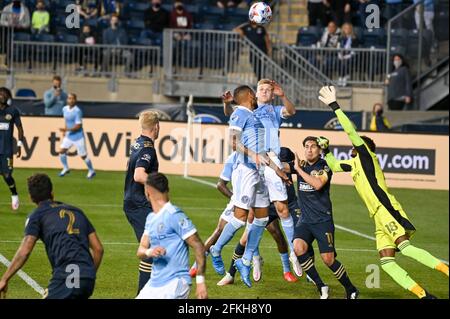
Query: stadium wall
{"x": 409, "y": 160}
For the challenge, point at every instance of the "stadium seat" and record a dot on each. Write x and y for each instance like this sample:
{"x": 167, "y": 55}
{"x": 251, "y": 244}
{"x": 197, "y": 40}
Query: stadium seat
{"x": 397, "y": 50}
{"x": 374, "y": 37}
{"x": 43, "y": 37}
{"x": 22, "y": 36}
{"x": 212, "y": 11}
{"x": 399, "y": 37}
{"x": 359, "y": 34}
{"x": 441, "y": 25}
{"x": 67, "y": 38}
{"x": 25, "y": 93}
{"x": 308, "y": 36}
{"x": 413, "y": 44}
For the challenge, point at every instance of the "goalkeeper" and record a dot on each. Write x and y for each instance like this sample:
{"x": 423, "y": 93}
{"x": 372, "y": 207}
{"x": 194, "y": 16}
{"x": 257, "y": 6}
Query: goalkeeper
{"x": 392, "y": 226}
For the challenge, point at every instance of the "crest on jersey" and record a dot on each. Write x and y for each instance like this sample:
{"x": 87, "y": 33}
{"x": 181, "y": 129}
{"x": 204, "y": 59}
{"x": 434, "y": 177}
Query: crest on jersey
{"x": 184, "y": 223}
{"x": 245, "y": 199}
{"x": 8, "y": 117}
{"x": 326, "y": 169}
{"x": 146, "y": 157}
{"x": 160, "y": 228}
{"x": 234, "y": 118}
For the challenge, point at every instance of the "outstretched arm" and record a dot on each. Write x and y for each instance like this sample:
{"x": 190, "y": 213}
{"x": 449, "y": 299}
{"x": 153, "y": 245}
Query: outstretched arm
{"x": 335, "y": 165}
{"x": 328, "y": 96}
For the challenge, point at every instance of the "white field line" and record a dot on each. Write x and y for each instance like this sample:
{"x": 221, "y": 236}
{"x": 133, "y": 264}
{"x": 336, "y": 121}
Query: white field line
{"x": 30, "y": 281}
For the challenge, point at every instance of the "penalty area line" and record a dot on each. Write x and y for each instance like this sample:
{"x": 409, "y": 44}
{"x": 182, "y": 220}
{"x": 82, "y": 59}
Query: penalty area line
{"x": 30, "y": 281}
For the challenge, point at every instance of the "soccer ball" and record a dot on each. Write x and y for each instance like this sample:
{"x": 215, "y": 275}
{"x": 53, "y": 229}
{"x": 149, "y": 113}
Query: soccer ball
{"x": 260, "y": 13}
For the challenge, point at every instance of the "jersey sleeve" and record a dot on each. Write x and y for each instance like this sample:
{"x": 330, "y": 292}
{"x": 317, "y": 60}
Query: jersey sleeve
{"x": 147, "y": 225}
{"x": 279, "y": 112}
{"x": 182, "y": 225}
{"x": 89, "y": 227}
{"x": 237, "y": 121}
{"x": 17, "y": 119}
{"x": 146, "y": 158}
{"x": 347, "y": 125}
{"x": 32, "y": 226}
{"x": 227, "y": 170}
{"x": 79, "y": 117}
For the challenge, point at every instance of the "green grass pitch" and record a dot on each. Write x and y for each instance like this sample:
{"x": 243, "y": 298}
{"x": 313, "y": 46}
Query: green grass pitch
{"x": 101, "y": 200}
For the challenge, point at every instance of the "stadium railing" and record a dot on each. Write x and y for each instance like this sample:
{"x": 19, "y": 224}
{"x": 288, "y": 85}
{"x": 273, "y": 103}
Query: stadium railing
{"x": 363, "y": 67}
{"x": 138, "y": 62}
{"x": 225, "y": 58}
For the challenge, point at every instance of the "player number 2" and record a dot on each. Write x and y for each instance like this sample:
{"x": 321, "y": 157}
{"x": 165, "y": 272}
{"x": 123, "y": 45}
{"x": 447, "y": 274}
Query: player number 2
{"x": 391, "y": 227}
{"x": 70, "y": 230}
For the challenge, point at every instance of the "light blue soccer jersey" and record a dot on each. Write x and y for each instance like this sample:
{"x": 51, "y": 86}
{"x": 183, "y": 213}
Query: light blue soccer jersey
{"x": 270, "y": 116}
{"x": 73, "y": 117}
{"x": 252, "y": 133}
{"x": 169, "y": 228}
{"x": 228, "y": 168}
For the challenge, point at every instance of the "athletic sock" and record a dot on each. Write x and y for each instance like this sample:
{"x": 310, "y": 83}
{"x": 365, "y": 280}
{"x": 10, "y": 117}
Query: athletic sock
{"x": 11, "y": 184}
{"x": 63, "y": 159}
{"x": 254, "y": 237}
{"x": 285, "y": 262}
{"x": 238, "y": 252}
{"x": 145, "y": 270}
{"x": 421, "y": 255}
{"x": 89, "y": 164}
{"x": 227, "y": 234}
{"x": 401, "y": 277}
{"x": 288, "y": 228}
{"x": 308, "y": 266}
{"x": 341, "y": 274}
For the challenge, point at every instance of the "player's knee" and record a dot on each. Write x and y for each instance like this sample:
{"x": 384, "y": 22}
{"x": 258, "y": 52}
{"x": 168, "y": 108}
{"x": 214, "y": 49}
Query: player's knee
{"x": 300, "y": 247}
{"x": 328, "y": 259}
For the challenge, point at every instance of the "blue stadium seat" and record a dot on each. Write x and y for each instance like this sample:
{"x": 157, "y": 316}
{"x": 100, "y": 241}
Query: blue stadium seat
{"x": 308, "y": 36}
{"x": 441, "y": 25}
{"x": 22, "y": 36}
{"x": 413, "y": 44}
{"x": 43, "y": 37}
{"x": 67, "y": 38}
{"x": 213, "y": 11}
{"x": 205, "y": 26}
{"x": 358, "y": 31}
{"x": 399, "y": 37}
{"x": 374, "y": 37}
{"x": 398, "y": 50}
{"x": 25, "y": 93}
{"x": 135, "y": 24}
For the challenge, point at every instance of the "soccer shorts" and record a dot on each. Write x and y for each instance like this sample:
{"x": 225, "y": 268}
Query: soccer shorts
{"x": 80, "y": 145}
{"x": 249, "y": 188}
{"x": 322, "y": 232}
{"x": 6, "y": 164}
{"x": 275, "y": 186}
{"x": 227, "y": 213}
{"x": 57, "y": 289}
{"x": 178, "y": 288}
{"x": 389, "y": 228}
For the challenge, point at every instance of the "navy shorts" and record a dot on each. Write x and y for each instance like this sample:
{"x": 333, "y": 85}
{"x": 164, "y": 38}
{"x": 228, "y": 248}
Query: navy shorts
{"x": 6, "y": 164}
{"x": 57, "y": 289}
{"x": 322, "y": 232}
{"x": 137, "y": 218}
{"x": 293, "y": 210}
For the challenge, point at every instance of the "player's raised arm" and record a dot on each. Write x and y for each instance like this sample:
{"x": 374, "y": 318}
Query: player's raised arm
{"x": 289, "y": 107}
{"x": 227, "y": 99}
{"x": 335, "y": 165}
{"x": 18, "y": 261}
{"x": 196, "y": 244}
{"x": 328, "y": 96}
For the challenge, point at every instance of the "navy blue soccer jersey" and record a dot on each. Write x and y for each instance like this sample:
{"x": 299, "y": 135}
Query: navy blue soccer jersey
{"x": 142, "y": 154}
{"x": 64, "y": 229}
{"x": 9, "y": 117}
{"x": 315, "y": 206}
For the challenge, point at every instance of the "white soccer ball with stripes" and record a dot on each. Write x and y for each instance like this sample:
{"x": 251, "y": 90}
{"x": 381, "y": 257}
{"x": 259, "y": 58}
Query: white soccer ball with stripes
{"x": 260, "y": 13}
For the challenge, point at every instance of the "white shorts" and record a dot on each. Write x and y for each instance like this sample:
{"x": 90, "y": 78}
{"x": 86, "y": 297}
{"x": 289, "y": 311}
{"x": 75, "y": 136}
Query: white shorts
{"x": 275, "y": 185}
{"x": 249, "y": 189}
{"x": 228, "y": 212}
{"x": 67, "y": 143}
{"x": 177, "y": 288}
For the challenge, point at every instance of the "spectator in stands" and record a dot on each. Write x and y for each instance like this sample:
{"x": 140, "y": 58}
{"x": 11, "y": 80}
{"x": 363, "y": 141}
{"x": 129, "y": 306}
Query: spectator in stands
{"x": 347, "y": 41}
{"x": 88, "y": 37}
{"x": 156, "y": 20}
{"x": 316, "y": 13}
{"x": 258, "y": 35}
{"x": 340, "y": 10}
{"x": 330, "y": 36}
{"x": 88, "y": 9}
{"x": 116, "y": 35}
{"x": 16, "y": 15}
{"x": 55, "y": 98}
{"x": 392, "y": 8}
{"x": 427, "y": 18}
{"x": 109, "y": 7}
{"x": 40, "y": 21}
{"x": 399, "y": 84}
{"x": 379, "y": 122}
{"x": 180, "y": 18}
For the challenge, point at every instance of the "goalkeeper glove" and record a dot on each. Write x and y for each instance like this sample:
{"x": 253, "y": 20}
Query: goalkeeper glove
{"x": 323, "y": 143}
{"x": 327, "y": 95}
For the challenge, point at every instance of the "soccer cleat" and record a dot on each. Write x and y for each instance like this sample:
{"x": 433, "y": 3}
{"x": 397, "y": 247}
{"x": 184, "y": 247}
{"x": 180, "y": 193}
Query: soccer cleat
{"x": 353, "y": 295}
{"x": 193, "y": 271}
{"x": 217, "y": 262}
{"x": 226, "y": 280}
{"x": 428, "y": 296}
{"x": 91, "y": 174}
{"x": 295, "y": 264}
{"x": 257, "y": 264}
{"x": 289, "y": 277}
{"x": 324, "y": 292}
{"x": 15, "y": 202}
{"x": 64, "y": 172}
{"x": 244, "y": 271}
